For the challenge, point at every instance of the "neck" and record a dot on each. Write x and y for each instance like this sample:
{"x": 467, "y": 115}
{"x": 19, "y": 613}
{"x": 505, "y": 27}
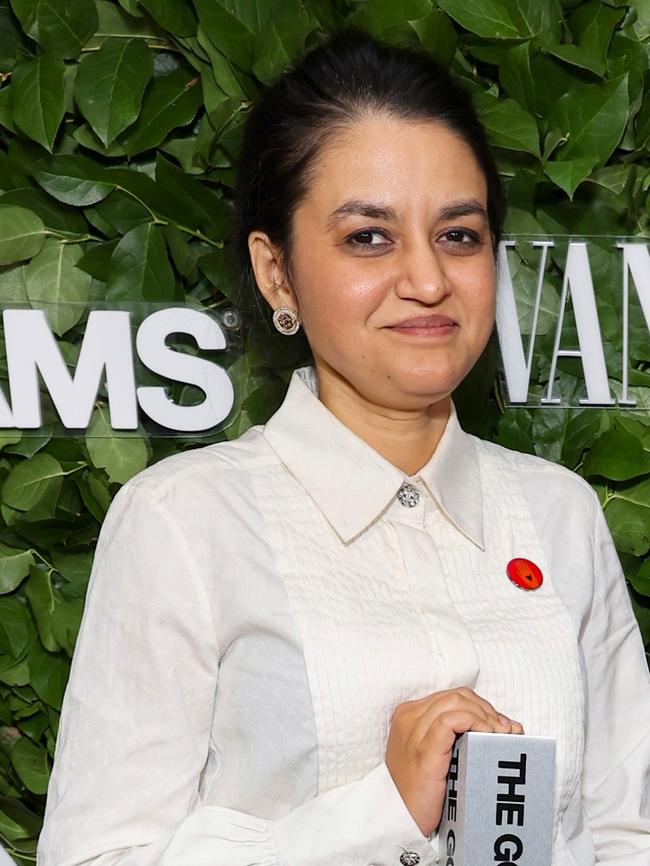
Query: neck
{"x": 406, "y": 438}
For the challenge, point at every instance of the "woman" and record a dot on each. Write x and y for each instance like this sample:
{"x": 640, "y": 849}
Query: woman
{"x": 284, "y": 634}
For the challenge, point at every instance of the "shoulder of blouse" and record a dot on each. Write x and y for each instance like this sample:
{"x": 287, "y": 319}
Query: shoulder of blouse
{"x": 555, "y": 480}
{"x": 215, "y": 465}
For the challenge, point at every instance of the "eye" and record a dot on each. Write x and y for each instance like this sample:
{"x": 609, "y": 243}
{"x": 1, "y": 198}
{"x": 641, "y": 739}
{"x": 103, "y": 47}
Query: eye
{"x": 462, "y": 238}
{"x": 364, "y": 238}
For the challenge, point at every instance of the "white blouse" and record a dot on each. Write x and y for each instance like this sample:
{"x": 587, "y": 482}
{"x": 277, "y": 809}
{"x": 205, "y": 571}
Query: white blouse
{"x": 257, "y": 609}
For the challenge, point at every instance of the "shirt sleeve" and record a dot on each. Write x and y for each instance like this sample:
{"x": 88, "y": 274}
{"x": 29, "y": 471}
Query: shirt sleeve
{"x": 616, "y": 777}
{"x": 135, "y": 726}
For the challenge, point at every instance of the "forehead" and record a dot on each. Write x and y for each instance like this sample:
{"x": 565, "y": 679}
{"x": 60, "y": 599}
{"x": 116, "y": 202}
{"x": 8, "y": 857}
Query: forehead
{"x": 416, "y": 165}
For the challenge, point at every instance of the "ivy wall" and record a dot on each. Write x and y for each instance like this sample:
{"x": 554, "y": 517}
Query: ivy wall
{"x": 119, "y": 125}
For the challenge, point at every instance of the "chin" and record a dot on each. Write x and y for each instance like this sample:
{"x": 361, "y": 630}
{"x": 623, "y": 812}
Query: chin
{"x": 427, "y": 382}
{"x": 404, "y": 392}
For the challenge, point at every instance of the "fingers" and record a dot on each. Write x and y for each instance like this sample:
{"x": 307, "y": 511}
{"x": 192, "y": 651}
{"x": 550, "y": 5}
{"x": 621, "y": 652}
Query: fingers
{"x": 425, "y": 710}
{"x": 420, "y": 742}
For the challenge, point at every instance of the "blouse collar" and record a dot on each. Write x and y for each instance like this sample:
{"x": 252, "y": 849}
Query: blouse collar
{"x": 351, "y": 482}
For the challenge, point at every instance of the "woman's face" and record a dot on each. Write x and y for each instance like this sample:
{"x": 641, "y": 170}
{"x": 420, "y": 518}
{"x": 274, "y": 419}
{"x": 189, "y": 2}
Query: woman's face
{"x": 394, "y": 228}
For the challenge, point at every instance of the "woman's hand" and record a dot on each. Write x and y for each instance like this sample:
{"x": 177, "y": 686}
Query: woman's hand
{"x": 422, "y": 734}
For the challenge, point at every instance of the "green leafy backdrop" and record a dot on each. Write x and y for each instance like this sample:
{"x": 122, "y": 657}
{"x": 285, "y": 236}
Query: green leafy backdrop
{"x": 119, "y": 125}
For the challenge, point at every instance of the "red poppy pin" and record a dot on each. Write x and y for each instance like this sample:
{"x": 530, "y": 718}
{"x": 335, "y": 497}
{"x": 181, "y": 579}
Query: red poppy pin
{"x": 525, "y": 574}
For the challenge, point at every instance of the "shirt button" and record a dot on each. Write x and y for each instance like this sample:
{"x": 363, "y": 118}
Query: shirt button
{"x": 409, "y": 858}
{"x": 408, "y": 495}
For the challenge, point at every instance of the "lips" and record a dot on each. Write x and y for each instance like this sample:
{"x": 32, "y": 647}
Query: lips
{"x": 435, "y": 321}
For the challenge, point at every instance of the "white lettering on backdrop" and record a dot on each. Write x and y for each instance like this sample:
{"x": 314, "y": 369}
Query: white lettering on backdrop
{"x": 578, "y": 283}
{"x": 32, "y": 349}
{"x": 107, "y": 353}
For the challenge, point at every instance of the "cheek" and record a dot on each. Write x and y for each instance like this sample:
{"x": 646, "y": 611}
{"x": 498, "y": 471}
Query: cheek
{"x": 477, "y": 290}
{"x": 340, "y": 293}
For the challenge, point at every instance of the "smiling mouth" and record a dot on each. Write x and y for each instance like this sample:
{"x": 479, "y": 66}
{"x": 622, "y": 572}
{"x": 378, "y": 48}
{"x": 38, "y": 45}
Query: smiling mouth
{"x": 425, "y": 323}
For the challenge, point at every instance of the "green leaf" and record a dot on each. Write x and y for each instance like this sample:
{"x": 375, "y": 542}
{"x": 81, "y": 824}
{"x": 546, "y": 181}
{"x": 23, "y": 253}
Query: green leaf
{"x": 641, "y": 580}
{"x": 629, "y": 524}
{"x": 30, "y": 444}
{"x": 525, "y": 279}
{"x": 634, "y": 491}
{"x": 31, "y": 763}
{"x": 218, "y": 267}
{"x": 516, "y": 76}
{"x": 579, "y": 435}
{"x": 281, "y": 40}
{"x": 88, "y": 139}
{"x": 110, "y": 83}
{"x": 7, "y": 109}
{"x": 139, "y": 267}
{"x": 569, "y": 174}
{"x": 54, "y": 281}
{"x": 437, "y": 34}
{"x": 32, "y": 481}
{"x": 116, "y": 21}
{"x": 9, "y": 437}
{"x": 641, "y": 584}
{"x": 14, "y": 566}
{"x": 507, "y": 124}
{"x": 173, "y": 196}
{"x": 12, "y": 41}
{"x": 73, "y": 567}
{"x": 642, "y": 24}
{"x": 191, "y": 202}
{"x": 592, "y": 25}
{"x": 14, "y": 673}
{"x": 61, "y": 26}
{"x": 96, "y": 260}
{"x": 122, "y": 211}
{"x": 22, "y": 234}
{"x": 12, "y": 284}
{"x": 49, "y": 674}
{"x": 17, "y": 630}
{"x": 94, "y": 492}
{"x": 592, "y": 119}
{"x": 232, "y": 26}
{"x": 121, "y": 454}
{"x": 382, "y": 16}
{"x": 495, "y": 19}
{"x": 17, "y": 821}
{"x": 223, "y": 76}
{"x": 176, "y": 16}
{"x": 34, "y": 726}
{"x": 172, "y": 100}
{"x": 75, "y": 180}
{"x": 183, "y": 255}
{"x": 57, "y": 618}
{"x": 612, "y": 177}
{"x": 54, "y": 215}
{"x": 617, "y": 455}
{"x": 39, "y": 98}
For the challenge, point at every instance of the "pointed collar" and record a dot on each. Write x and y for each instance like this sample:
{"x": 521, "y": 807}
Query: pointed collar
{"x": 351, "y": 482}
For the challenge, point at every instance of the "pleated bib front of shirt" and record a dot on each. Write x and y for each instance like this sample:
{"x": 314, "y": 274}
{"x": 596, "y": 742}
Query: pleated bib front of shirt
{"x": 413, "y": 606}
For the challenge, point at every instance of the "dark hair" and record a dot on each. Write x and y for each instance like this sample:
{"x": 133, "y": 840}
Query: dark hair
{"x": 349, "y": 74}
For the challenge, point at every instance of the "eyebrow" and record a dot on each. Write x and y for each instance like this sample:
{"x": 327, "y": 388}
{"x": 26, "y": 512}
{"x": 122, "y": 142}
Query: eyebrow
{"x": 373, "y": 210}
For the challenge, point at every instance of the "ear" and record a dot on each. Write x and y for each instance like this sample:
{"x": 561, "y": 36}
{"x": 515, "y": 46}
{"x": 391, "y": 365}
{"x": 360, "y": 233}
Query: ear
{"x": 270, "y": 273}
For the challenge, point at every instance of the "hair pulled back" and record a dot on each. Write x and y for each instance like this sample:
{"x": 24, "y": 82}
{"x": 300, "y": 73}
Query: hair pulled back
{"x": 349, "y": 75}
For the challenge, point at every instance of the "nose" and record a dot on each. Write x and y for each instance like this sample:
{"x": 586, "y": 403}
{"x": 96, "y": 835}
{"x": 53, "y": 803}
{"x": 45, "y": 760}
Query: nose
{"x": 422, "y": 277}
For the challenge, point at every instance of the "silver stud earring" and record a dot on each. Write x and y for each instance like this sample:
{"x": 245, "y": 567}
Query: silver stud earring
{"x": 286, "y": 320}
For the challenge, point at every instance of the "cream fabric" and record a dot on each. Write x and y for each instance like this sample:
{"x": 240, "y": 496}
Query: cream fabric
{"x": 256, "y": 610}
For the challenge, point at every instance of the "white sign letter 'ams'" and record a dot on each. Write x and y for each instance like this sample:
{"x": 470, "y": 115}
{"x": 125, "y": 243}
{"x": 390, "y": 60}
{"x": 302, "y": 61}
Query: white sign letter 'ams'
{"x": 107, "y": 347}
